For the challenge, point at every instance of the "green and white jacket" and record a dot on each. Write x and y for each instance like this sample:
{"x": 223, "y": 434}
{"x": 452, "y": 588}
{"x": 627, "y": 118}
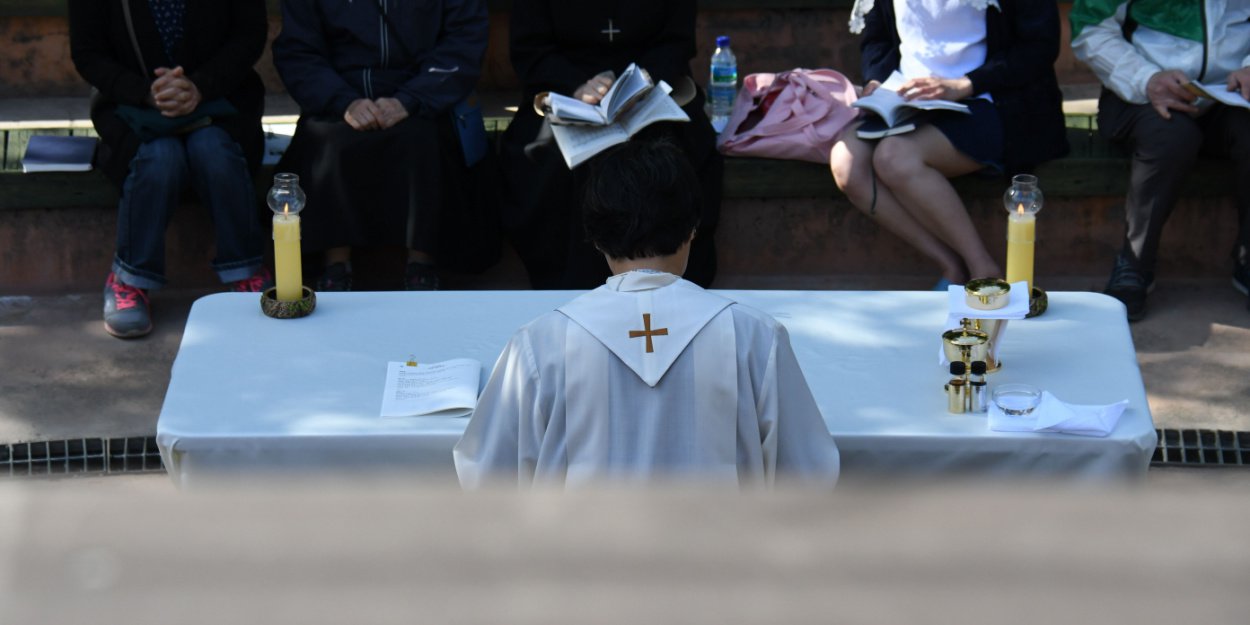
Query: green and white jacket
{"x": 1205, "y": 39}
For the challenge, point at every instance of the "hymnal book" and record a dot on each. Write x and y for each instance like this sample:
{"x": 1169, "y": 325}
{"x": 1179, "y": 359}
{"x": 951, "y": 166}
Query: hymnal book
{"x": 439, "y": 389}
{"x": 633, "y": 85}
{"x": 53, "y": 153}
{"x": 579, "y": 143}
{"x": 894, "y": 110}
{"x": 1217, "y": 92}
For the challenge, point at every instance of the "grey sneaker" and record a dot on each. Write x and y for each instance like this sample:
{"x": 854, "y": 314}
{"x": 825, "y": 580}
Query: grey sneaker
{"x": 126, "y": 310}
{"x": 1130, "y": 286}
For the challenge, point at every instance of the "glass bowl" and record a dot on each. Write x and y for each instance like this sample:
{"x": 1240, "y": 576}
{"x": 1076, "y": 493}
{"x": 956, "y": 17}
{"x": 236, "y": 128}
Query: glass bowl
{"x": 1017, "y": 400}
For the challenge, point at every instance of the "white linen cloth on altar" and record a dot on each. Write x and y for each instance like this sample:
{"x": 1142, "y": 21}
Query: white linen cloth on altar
{"x": 251, "y": 396}
{"x": 647, "y": 377}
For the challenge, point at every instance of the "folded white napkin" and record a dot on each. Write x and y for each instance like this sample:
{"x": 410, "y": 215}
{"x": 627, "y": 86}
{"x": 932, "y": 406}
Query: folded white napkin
{"x": 1053, "y": 415}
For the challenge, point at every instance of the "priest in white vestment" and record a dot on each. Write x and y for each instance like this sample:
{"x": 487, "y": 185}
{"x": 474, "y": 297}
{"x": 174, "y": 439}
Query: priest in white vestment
{"x": 648, "y": 378}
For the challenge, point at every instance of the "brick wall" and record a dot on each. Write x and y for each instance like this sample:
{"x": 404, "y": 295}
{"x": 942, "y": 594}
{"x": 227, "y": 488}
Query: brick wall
{"x": 35, "y": 61}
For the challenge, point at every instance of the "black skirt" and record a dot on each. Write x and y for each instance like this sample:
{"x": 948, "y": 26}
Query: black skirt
{"x": 368, "y": 188}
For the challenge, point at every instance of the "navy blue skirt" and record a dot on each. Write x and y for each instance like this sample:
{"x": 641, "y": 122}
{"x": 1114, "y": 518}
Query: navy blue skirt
{"x": 979, "y": 135}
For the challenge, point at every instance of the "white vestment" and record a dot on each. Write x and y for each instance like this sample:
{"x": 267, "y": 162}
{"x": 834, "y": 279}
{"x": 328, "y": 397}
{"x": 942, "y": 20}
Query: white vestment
{"x": 646, "y": 378}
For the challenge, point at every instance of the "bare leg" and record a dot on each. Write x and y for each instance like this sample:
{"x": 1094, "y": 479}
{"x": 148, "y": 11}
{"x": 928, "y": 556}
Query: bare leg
{"x": 851, "y": 164}
{"x": 915, "y": 167}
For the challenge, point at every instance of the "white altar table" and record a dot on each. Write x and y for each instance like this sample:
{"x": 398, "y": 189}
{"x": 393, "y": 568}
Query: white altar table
{"x": 251, "y": 395}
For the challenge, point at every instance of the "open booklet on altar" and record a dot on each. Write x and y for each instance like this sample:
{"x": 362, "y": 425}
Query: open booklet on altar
{"x": 439, "y": 389}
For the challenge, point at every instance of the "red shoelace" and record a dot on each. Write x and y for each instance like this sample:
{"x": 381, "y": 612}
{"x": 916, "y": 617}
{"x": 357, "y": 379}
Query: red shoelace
{"x": 125, "y": 295}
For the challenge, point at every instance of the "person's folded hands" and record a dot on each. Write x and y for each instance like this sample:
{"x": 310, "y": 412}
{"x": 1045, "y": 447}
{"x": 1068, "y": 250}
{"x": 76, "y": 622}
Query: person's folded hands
{"x": 173, "y": 94}
{"x": 392, "y": 112}
{"x": 363, "y": 114}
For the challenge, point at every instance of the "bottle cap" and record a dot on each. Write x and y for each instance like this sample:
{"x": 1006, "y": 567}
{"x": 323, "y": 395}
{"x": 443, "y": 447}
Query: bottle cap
{"x": 958, "y": 367}
{"x": 722, "y": 41}
{"x": 978, "y": 367}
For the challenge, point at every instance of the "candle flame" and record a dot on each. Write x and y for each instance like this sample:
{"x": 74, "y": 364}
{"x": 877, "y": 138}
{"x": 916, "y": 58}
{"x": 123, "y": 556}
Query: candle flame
{"x": 1020, "y": 209}
{"x": 286, "y": 208}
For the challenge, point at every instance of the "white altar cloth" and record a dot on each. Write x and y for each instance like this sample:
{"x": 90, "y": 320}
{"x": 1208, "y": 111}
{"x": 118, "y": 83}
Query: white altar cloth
{"x": 250, "y": 395}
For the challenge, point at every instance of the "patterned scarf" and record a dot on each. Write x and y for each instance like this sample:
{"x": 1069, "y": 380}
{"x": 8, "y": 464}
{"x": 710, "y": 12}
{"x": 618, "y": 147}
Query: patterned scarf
{"x": 168, "y": 15}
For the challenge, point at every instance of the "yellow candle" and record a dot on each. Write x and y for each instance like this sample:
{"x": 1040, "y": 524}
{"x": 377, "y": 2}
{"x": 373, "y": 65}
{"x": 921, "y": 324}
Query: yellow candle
{"x": 1021, "y": 233}
{"x": 286, "y": 258}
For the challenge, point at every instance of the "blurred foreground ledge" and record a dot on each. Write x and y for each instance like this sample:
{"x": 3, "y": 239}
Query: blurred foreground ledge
{"x": 1175, "y": 550}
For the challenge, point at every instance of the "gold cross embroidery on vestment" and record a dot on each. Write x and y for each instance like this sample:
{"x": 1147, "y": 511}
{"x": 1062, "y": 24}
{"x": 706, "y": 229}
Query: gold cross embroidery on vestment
{"x": 648, "y": 332}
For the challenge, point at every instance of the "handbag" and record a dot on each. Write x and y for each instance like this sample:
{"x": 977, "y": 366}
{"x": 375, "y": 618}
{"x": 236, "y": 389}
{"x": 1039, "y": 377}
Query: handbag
{"x": 795, "y": 115}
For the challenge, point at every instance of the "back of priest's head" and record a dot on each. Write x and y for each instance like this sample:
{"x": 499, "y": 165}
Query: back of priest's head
{"x": 642, "y": 200}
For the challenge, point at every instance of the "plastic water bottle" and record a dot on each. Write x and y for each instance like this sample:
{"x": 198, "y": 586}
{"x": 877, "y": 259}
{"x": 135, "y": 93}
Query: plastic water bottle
{"x": 723, "y": 87}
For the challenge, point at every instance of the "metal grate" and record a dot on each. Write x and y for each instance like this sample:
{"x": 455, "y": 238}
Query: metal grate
{"x": 104, "y": 456}
{"x": 1212, "y": 448}
{"x": 98, "y": 456}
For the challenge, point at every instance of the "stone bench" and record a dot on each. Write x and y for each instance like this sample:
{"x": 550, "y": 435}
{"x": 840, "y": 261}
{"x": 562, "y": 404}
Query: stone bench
{"x": 778, "y": 218}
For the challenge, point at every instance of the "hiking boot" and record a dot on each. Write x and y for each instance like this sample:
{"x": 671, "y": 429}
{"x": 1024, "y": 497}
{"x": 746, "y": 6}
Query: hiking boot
{"x": 420, "y": 277}
{"x": 337, "y": 277}
{"x": 1130, "y": 286}
{"x": 260, "y": 282}
{"x": 126, "y": 309}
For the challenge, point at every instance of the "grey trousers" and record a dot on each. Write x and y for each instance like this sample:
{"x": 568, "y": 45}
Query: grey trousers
{"x": 1164, "y": 151}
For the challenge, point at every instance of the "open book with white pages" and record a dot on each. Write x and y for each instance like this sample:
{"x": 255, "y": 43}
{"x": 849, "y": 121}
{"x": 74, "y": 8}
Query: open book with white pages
{"x": 632, "y": 86}
{"x": 895, "y": 110}
{"x": 1218, "y": 92}
{"x": 579, "y": 143}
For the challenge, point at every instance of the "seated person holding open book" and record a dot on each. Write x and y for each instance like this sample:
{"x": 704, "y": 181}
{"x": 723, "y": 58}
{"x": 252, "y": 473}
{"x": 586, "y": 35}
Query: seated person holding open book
{"x": 577, "y": 49}
{"x": 997, "y": 61}
{"x": 648, "y": 377}
{"x": 1148, "y": 55}
{"x": 177, "y": 104}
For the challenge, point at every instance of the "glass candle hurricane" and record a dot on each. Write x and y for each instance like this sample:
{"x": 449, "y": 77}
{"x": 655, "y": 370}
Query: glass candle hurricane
{"x": 286, "y": 200}
{"x": 1023, "y": 201}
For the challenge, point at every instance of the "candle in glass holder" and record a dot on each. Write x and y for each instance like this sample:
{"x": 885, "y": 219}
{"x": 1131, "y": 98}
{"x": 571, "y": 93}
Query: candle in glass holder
{"x": 286, "y": 200}
{"x": 1022, "y": 201}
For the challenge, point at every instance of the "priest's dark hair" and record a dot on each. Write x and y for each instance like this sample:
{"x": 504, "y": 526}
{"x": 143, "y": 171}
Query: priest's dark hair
{"x": 641, "y": 200}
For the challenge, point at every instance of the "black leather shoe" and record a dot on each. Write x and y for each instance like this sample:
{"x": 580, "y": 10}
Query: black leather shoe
{"x": 1130, "y": 286}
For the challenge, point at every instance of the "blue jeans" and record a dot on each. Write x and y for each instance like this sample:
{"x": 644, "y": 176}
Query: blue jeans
{"x": 159, "y": 172}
